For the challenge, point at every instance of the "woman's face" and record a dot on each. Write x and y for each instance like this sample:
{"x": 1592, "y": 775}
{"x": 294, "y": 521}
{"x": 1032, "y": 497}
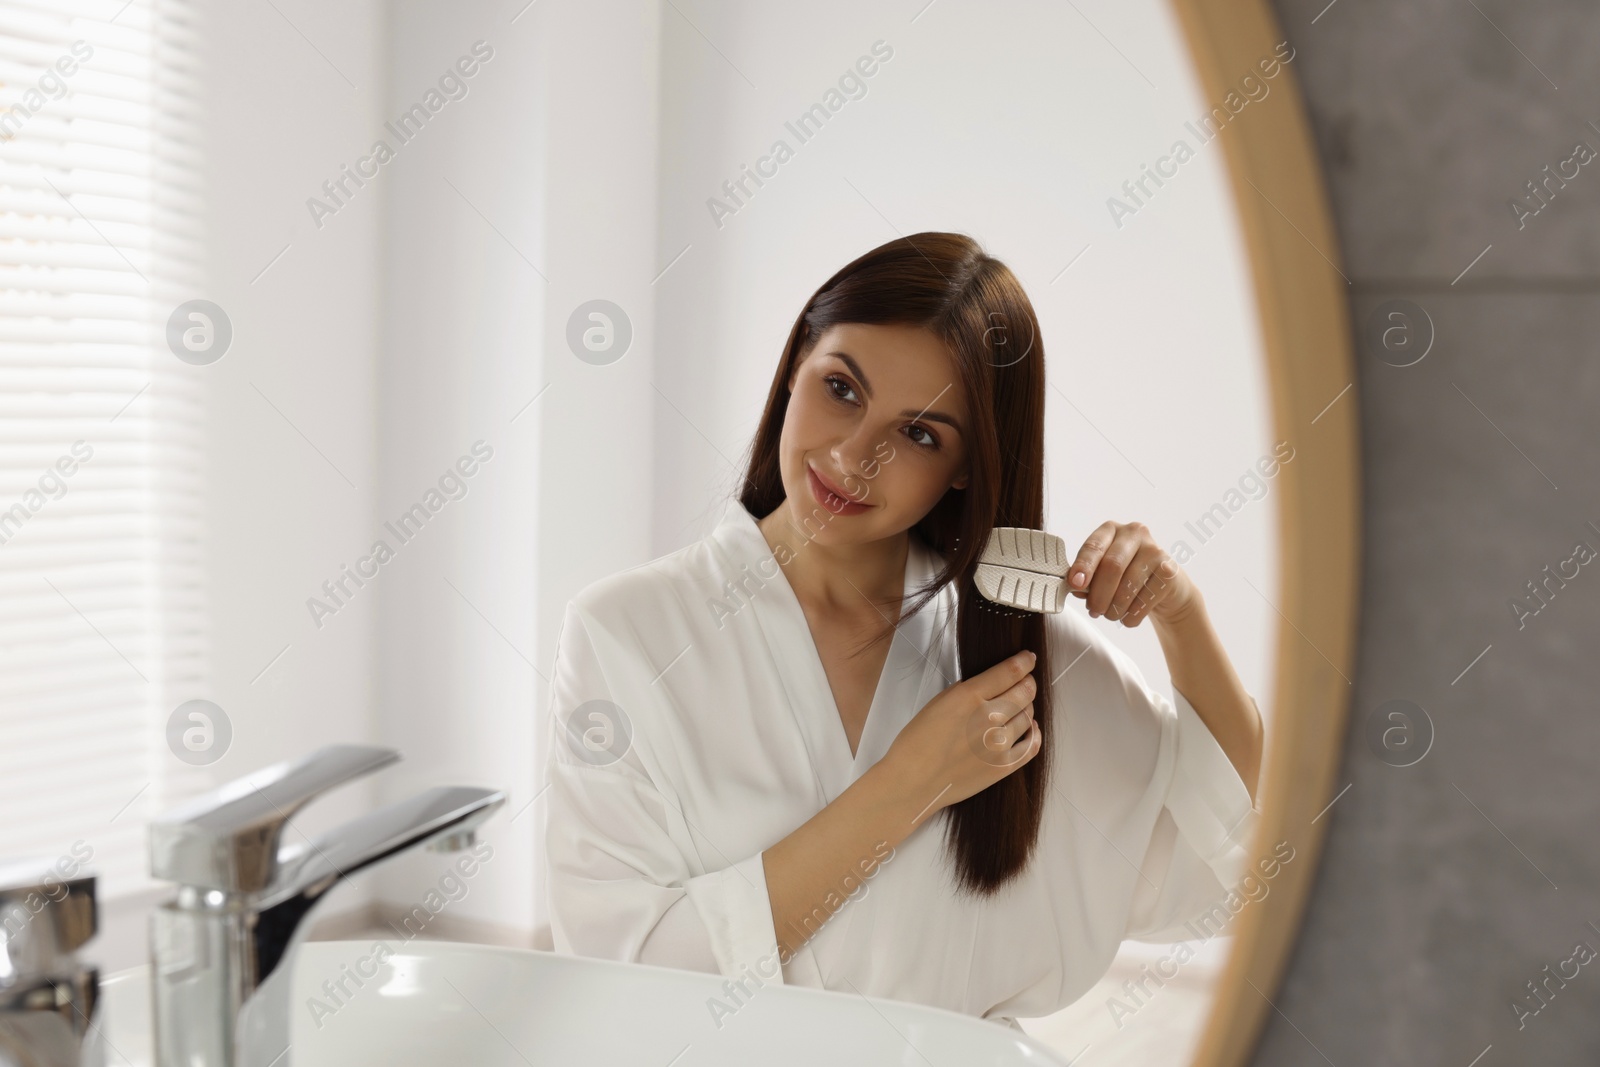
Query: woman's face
{"x": 874, "y": 433}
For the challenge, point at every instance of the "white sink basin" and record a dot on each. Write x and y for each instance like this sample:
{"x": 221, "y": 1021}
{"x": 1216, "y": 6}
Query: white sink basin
{"x": 440, "y": 1002}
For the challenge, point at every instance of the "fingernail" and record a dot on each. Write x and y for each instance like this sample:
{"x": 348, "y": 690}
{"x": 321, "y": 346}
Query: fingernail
{"x": 1079, "y": 578}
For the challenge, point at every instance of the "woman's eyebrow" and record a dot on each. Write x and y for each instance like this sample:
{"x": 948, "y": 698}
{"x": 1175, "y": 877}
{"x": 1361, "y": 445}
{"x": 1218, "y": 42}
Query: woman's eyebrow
{"x": 934, "y": 416}
{"x": 931, "y": 416}
{"x": 855, "y": 368}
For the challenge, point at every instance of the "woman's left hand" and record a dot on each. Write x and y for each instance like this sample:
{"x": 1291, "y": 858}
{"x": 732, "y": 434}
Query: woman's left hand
{"x": 1124, "y": 574}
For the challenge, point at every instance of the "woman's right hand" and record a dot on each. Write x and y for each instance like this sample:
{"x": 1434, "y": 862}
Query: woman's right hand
{"x": 969, "y": 736}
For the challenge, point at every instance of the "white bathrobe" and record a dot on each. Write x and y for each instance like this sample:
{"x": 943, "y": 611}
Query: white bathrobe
{"x": 728, "y": 739}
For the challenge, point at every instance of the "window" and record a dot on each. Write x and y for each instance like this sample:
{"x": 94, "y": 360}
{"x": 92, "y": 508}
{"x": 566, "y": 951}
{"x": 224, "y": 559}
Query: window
{"x": 101, "y": 460}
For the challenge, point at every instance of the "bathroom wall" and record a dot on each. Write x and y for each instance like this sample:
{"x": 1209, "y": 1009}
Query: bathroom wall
{"x": 494, "y": 217}
{"x": 291, "y": 464}
{"x": 385, "y": 331}
{"x": 1450, "y": 884}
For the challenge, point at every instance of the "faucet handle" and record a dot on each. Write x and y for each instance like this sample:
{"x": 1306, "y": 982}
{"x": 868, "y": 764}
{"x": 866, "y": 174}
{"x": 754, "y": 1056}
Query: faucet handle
{"x": 45, "y": 916}
{"x": 228, "y": 839}
{"x": 49, "y": 1001}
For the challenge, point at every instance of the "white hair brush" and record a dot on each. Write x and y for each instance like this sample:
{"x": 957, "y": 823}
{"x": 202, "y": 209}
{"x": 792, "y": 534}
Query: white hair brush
{"x": 1024, "y": 569}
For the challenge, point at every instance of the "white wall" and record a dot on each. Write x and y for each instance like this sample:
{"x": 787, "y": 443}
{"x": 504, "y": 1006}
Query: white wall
{"x": 407, "y": 326}
{"x": 526, "y": 198}
{"x": 291, "y": 488}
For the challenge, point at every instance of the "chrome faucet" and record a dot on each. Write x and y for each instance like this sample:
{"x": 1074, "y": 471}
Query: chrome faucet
{"x": 49, "y": 1002}
{"x": 222, "y": 949}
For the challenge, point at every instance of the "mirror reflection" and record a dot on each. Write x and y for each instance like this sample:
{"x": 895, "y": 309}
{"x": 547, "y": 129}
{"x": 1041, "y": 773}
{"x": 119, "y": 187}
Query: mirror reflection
{"x": 788, "y": 499}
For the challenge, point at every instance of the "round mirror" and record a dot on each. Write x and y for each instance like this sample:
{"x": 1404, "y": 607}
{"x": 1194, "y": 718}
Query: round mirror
{"x": 355, "y": 345}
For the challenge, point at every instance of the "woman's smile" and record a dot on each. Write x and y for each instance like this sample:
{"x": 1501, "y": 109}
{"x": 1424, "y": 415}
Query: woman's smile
{"x": 831, "y": 496}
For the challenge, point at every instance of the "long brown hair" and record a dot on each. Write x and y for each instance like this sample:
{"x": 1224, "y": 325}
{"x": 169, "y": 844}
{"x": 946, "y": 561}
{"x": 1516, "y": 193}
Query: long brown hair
{"x": 946, "y": 283}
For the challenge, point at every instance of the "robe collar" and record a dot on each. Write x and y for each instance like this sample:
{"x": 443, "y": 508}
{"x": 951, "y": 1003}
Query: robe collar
{"x": 918, "y": 666}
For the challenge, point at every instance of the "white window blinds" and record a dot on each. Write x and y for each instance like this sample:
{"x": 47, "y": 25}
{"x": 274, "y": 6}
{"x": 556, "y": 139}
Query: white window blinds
{"x": 101, "y": 568}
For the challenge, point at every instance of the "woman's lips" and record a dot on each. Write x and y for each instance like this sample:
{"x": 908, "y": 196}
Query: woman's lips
{"x": 832, "y": 498}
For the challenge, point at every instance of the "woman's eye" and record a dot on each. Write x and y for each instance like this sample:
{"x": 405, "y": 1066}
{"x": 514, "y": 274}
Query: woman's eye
{"x": 842, "y": 391}
{"x": 839, "y": 388}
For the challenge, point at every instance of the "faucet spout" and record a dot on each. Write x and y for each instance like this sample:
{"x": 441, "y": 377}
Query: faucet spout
{"x": 446, "y": 817}
{"x": 221, "y": 947}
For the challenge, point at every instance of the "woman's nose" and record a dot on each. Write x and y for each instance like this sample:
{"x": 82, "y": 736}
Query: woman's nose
{"x": 854, "y": 453}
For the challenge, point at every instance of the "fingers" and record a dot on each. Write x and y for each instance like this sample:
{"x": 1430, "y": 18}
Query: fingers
{"x": 1002, "y": 676}
{"x": 1155, "y": 591}
{"x": 1121, "y": 572}
{"x": 1011, "y": 744}
{"x": 1013, "y": 701}
{"x": 1108, "y": 574}
{"x": 1140, "y": 582}
{"x": 1008, "y": 713}
{"x": 1019, "y": 724}
{"x": 1000, "y": 725}
{"x": 1013, "y": 709}
{"x": 1027, "y": 745}
{"x": 1094, "y": 547}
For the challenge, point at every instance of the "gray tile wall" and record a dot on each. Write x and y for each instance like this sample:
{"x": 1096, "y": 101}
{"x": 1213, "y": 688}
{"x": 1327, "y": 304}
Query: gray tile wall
{"x": 1450, "y": 883}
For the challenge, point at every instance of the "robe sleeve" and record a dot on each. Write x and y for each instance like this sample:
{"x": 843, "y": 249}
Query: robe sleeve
{"x": 1199, "y": 849}
{"x": 620, "y": 886}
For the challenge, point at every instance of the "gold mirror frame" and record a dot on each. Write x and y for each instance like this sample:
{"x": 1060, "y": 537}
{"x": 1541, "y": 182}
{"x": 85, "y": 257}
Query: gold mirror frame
{"x": 1293, "y": 250}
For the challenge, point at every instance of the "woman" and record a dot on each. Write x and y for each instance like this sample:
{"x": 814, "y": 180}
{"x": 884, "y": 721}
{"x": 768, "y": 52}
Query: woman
{"x": 756, "y": 737}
